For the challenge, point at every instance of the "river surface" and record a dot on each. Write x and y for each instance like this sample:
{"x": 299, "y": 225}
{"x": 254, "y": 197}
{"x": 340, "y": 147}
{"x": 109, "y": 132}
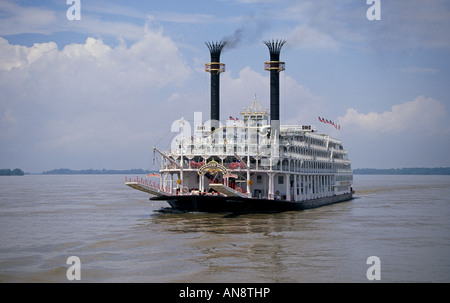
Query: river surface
{"x": 120, "y": 236}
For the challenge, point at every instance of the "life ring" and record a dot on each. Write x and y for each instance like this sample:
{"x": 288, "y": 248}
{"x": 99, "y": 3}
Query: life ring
{"x": 277, "y": 192}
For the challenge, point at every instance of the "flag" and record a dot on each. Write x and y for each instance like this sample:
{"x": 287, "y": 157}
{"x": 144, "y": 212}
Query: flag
{"x": 323, "y": 120}
{"x": 231, "y": 118}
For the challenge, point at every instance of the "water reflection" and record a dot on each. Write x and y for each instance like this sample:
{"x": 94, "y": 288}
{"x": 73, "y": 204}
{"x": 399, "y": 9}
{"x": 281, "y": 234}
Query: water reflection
{"x": 280, "y": 247}
{"x": 224, "y": 224}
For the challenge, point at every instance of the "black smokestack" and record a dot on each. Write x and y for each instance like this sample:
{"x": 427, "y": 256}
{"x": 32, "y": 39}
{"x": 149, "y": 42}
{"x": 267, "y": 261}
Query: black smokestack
{"x": 215, "y": 68}
{"x": 274, "y": 66}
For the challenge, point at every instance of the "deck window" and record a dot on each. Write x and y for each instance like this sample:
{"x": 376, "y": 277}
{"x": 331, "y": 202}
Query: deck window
{"x": 280, "y": 179}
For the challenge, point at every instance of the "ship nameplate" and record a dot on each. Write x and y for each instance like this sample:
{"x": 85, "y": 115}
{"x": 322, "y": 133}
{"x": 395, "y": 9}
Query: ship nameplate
{"x": 212, "y": 167}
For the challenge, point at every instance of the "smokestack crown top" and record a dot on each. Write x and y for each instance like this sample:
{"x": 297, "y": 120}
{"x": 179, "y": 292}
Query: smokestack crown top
{"x": 274, "y": 48}
{"x": 215, "y": 48}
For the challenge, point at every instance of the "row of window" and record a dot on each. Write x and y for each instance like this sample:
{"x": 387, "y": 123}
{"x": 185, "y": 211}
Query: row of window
{"x": 281, "y": 164}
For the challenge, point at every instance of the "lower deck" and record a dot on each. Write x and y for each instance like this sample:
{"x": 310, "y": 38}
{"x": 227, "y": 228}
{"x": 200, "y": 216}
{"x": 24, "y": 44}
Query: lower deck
{"x": 272, "y": 185}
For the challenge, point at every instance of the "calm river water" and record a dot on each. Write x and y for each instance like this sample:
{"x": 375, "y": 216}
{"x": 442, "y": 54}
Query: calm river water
{"x": 120, "y": 236}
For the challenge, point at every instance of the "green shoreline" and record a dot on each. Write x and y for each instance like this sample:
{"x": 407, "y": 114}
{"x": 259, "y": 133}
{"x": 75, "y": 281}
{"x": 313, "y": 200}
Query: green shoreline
{"x": 11, "y": 172}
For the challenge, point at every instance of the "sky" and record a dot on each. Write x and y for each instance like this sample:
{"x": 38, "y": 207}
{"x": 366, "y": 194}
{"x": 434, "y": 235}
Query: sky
{"x": 101, "y": 91}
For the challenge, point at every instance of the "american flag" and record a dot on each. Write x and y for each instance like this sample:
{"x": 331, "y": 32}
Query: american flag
{"x": 337, "y": 126}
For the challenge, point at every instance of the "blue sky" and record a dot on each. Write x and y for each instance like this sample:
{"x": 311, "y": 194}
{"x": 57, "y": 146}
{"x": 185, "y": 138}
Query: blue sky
{"x": 100, "y": 92}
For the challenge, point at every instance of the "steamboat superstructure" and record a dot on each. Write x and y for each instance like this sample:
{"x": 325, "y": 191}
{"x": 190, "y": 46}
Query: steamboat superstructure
{"x": 251, "y": 162}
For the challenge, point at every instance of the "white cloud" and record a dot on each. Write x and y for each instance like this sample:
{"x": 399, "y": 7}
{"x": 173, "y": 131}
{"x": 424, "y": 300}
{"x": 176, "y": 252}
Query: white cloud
{"x": 405, "y": 24}
{"x": 85, "y": 99}
{"x": 16, "y": 19}
{"x": 240, "y": 91}
{"x": 17, "y": 56}
{"x": 94, "y": 26}
{"x": 304, "y": 36}
{"x": 417, "y": 23}
{"x": 420, "y": 114}
{"x": 297, "y": 103}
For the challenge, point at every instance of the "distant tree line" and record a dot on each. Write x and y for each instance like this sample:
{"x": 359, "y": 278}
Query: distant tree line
{"x": 9, "y": 172}
{"x": 67, "y": 171}
{"x": 403, "y": 171}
